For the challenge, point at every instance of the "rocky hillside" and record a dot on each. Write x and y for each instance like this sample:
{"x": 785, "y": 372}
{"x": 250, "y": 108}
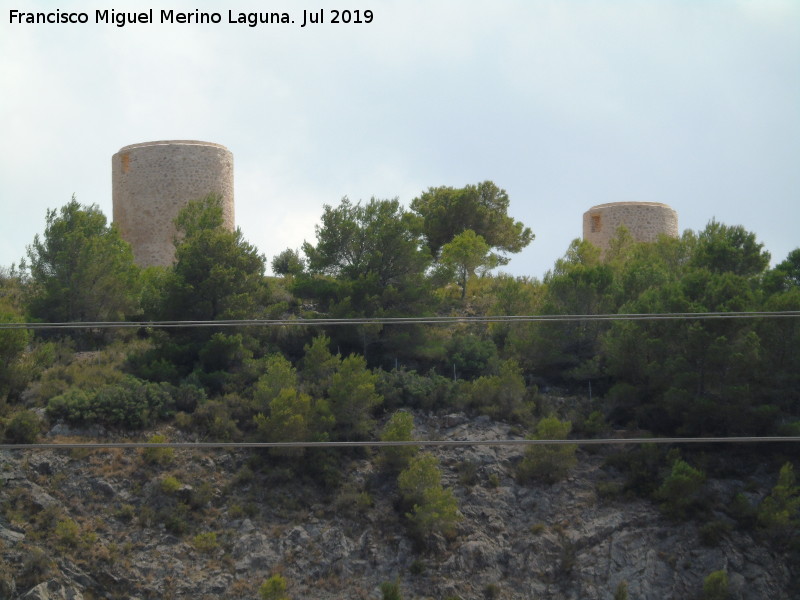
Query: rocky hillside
{"x": 217, "y": 524}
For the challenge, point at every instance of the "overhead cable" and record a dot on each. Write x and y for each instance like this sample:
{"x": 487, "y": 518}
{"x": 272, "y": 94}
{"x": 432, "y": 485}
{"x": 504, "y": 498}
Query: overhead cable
{"x": 383, "y": 444}
{"x": 295, "y": 322}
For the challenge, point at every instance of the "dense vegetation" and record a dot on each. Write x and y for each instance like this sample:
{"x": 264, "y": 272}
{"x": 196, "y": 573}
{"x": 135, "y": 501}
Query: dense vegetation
{"x": 692, "y": 377}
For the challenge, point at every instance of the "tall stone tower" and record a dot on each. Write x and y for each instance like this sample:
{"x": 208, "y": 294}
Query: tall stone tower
{"x": 646, "y": 221}
{"x": 153, "y": 181}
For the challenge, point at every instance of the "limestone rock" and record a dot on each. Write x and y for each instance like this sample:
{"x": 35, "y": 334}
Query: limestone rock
{"x": 53, "y": 590}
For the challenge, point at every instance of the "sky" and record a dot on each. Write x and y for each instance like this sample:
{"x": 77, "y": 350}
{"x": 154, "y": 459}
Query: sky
{"x": 564, "y": 104}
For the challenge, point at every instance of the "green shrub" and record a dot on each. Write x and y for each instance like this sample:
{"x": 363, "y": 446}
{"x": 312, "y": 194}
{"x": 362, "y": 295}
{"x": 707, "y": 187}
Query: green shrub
{"x": 408, "y": 389}
{"x": 170, "y": 484}
{"x": 467, "y": 472}
{"x": 273, "y": 588}
{"x": 37, "y": 566}
{"x": 67, "y": 533}
{"x": 398, "y": 429}
{"x": 779, "y": 513}
{"x": 201, "y": 494}
{"x": 641, "y": 466}
{"x": 715, "y": 586}
{"x": 353, "y": 501}
{"x": 243, "y": 476}
{"x": 23, "y": 428}
{"x": 104, "y": 369}
{"x": 548, "y": 463}
{"x": 188, "y": 397}
{"x": 621, "y": 593}
{"x": 205, "y": 542}
{"x": 130, "y": 404}
{"x": 391, "y": 590}
{"x": 175, "y": 524}
{"x": 125, "y": 513}
{"x": 213, "y": 418}
{"x": 158, "y": 456}
{"x": 175, "y": 518}
{"x": 417, "y": 567}
{"x": 502, "y": 396}
{"x": 608, "y": 490}
{"x": 741, "y": 509}
{"x": 680, "y": 491}
{"x": 433, "y": 509}
{"x": 713, "y": 532}
{"x": 595, "y": 424}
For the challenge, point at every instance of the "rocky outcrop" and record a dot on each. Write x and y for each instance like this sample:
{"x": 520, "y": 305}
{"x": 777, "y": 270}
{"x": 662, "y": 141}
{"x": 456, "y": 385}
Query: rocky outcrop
{"x": 560, "y": 541}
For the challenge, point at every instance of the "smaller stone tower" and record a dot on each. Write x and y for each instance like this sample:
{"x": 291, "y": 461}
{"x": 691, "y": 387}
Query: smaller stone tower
{"x": 646, "y": 221}
{"x": 153, "y": 181}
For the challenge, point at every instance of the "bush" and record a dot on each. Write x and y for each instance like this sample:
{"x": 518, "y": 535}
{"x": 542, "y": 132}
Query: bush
{"x": 548, "y": 463}
{"x": 67, "y": 532}
{"x": 501, "y": 396}
{"x": 273, "y": 588}
{"x": 391, "y": 590}
{"x": 125, "y": 513}
{"x": 37, "y": 566}
{"x": 408, "y": 389}
{"x": 170, "y": 485}
{"x": 713, "y": 532}
{"x": 621, "y": 593}
{"x": 779, "y": 513}
{"x": 471, "y": 355}
{"x": 743, "y": 511}
{"x": 641, "y": 466}
{"x": 398, "y": 429}
{"x": 188, "y": 397}
{"x": 23, "y": 428}
{"x": 433, "y": 508}
{"x": 353, "y": 501}
{"x": 467, "y": 472}
{"x": 202, "y": 494}
{"x": 680, "y": 491}
{"x": 131, "y": 404}
{"x": 205, "y": 542}
{"x": 213, "y": 419}
{"x": 715, "y": 586}
{"x": 158, "y": 456}
{"x": 174, "y": 518}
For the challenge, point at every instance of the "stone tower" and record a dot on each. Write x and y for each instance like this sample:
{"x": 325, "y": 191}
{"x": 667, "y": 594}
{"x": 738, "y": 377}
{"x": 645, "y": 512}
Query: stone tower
{"x": 646, "y": 221}
{"x": 152, "y": 181}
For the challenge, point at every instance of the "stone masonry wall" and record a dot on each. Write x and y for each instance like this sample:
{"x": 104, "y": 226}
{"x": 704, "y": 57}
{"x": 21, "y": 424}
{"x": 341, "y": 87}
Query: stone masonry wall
{"x": 645, "y": 221}
{"x": 152, "y": 181}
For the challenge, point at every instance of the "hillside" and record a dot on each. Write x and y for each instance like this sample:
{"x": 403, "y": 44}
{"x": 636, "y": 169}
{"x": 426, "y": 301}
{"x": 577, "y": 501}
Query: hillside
{"x": 392, "y": 327}
{"x": 102, "y": 524}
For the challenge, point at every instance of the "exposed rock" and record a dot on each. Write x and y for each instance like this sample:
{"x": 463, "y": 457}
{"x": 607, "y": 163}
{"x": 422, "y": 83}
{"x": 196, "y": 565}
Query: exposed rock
{"x": 53, "y": 590}
{"x": 8, "y": 536}
{"x": 92, "y": 431}
{"x": 560, "y": 541}
{"x": 103, "y": 487}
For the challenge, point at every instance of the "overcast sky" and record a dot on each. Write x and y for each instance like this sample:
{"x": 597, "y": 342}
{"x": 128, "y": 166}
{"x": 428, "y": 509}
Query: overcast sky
{"x": 565, "y": 104}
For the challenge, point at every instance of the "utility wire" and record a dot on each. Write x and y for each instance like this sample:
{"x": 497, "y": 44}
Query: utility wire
{"x": 403, "y": 320}
{"x": 383, "y": 444}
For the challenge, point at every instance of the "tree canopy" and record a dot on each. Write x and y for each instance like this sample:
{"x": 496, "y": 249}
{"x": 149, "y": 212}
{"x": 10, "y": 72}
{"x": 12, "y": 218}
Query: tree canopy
{"x": 80, "y": 269}
{"x": 464, "y": 255}
{"x": 373, "y": 239}
{"x": 217, "y": 273}
{"x": 446, "y": 212}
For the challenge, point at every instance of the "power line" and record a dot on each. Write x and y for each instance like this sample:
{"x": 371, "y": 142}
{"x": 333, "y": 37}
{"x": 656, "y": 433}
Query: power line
{"x": 295, "y": 322}
{"x": 426, "y": 443}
